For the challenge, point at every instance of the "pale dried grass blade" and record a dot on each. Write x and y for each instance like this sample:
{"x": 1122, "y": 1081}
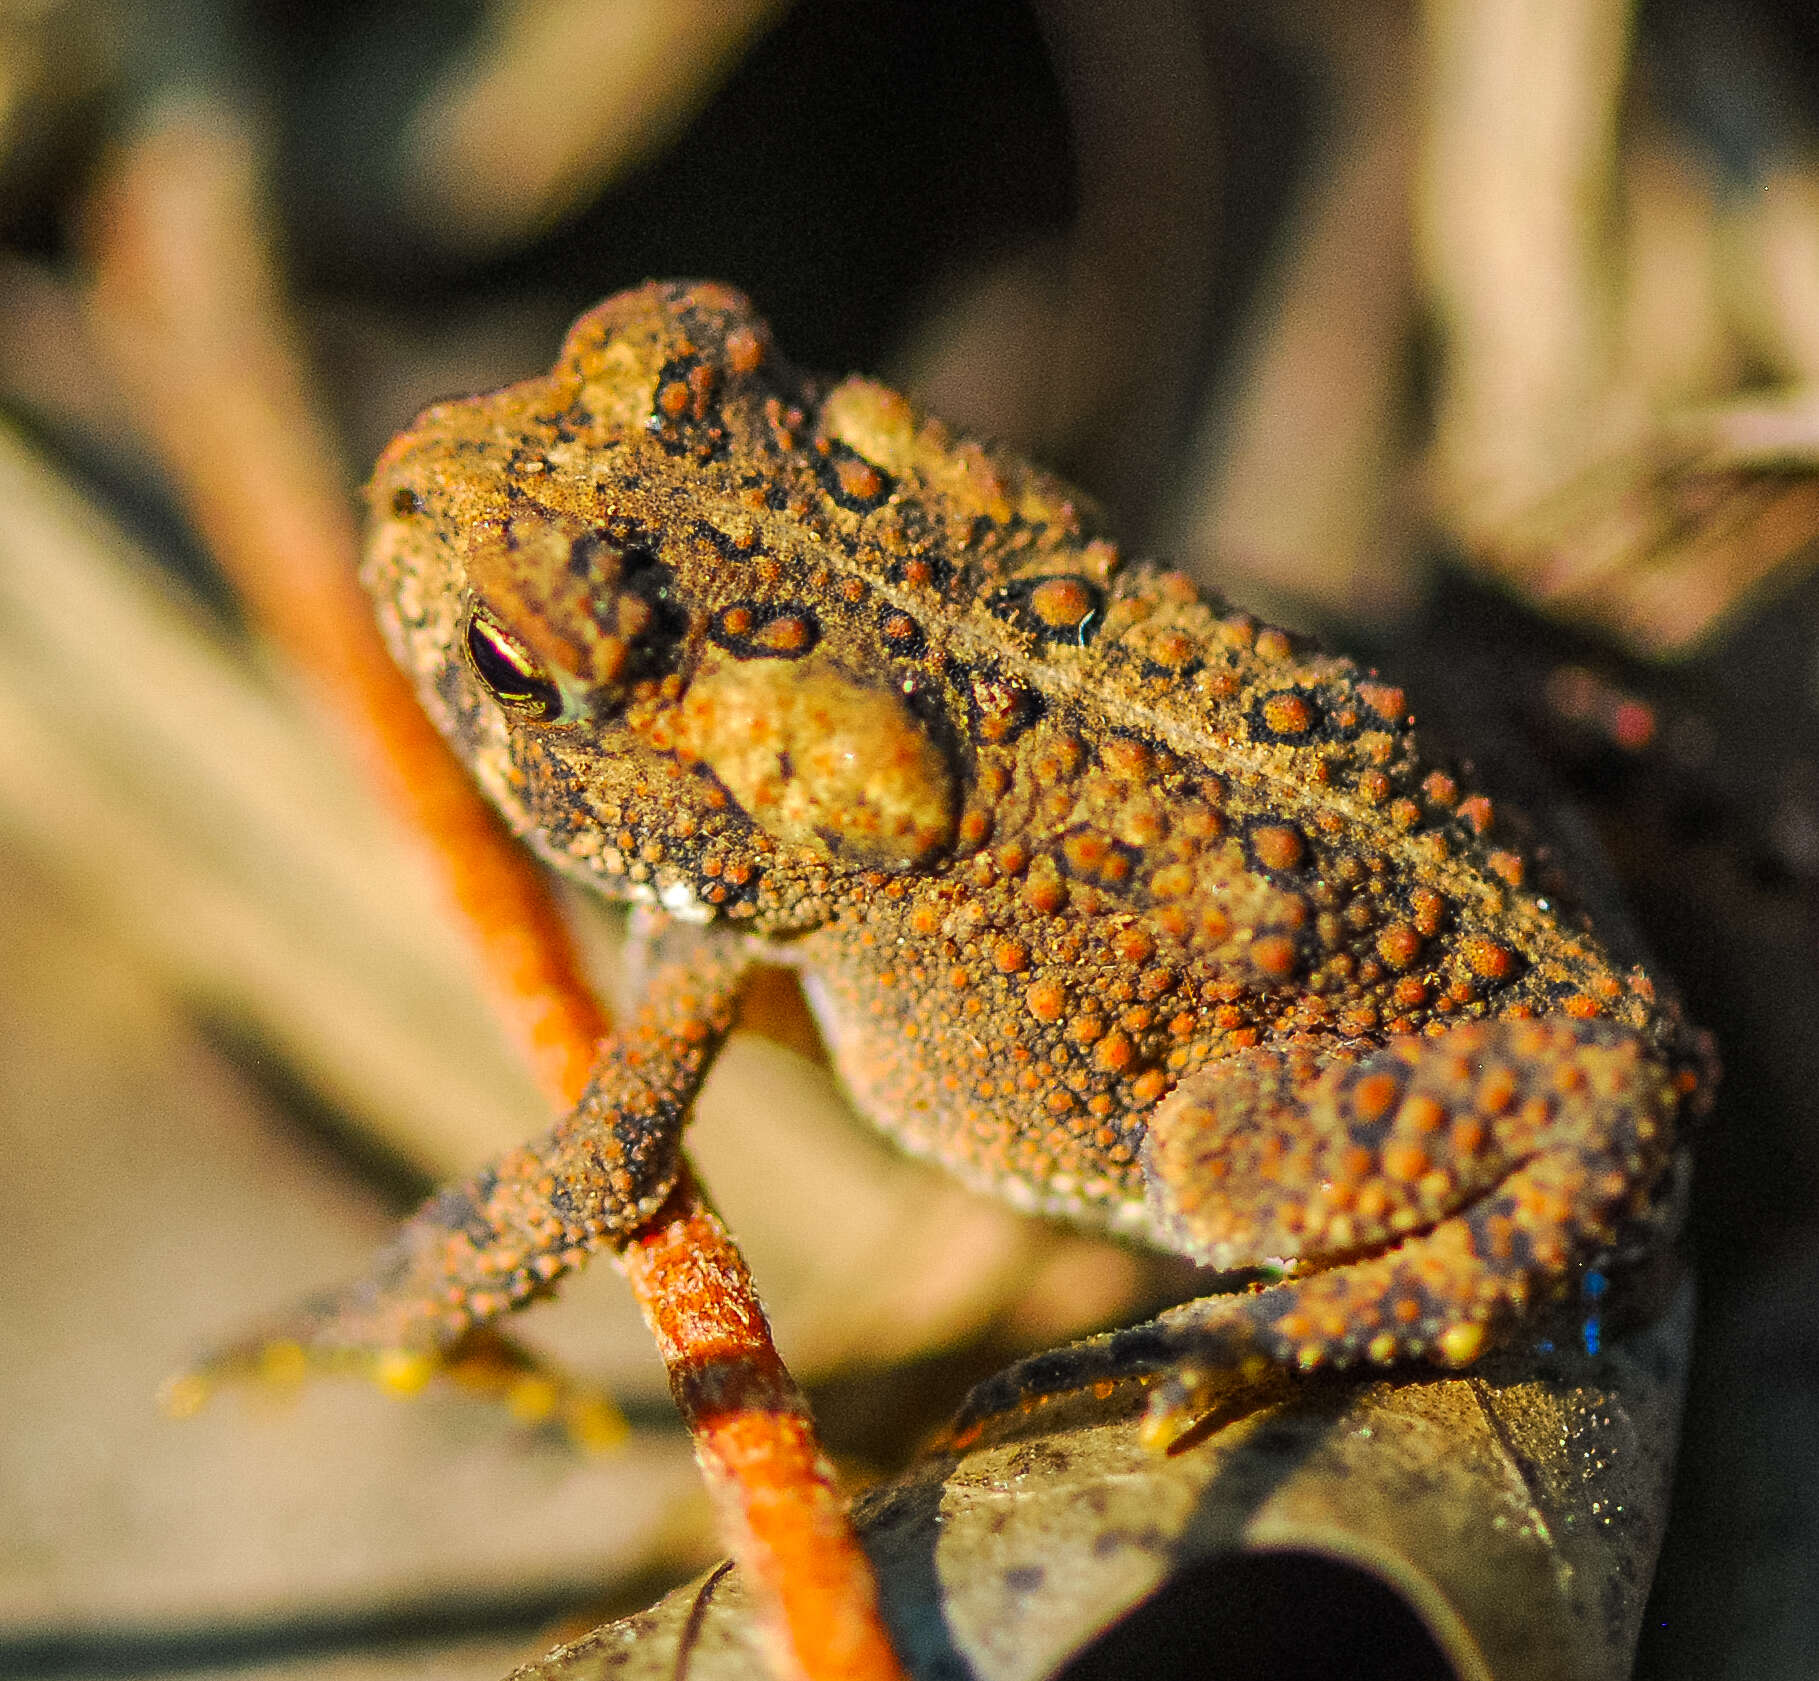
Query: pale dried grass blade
{"x": 1774, "y": 269}
{"x": 1675, "y": 340}
{"x": 1077, "y": 348}
{"x": 1289, "y": 491}
{"x": 556, "y": 99}
{"x": 1522, "y": 99}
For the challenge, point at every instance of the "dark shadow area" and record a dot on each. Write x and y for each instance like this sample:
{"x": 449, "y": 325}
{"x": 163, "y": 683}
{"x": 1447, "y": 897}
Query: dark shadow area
{"x": 1266, "y": 1617}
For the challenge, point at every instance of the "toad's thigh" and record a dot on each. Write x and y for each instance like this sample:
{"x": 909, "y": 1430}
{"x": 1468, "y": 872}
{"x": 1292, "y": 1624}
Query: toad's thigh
{"x": 1318, "y": 1152}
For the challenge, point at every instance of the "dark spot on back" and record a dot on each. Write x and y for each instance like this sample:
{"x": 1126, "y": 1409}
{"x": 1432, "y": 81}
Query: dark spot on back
{"x": 1301, "y": 716}
{"x": 903, "y": 636}
{"x": 684, "y": 417}
{"x": 654, "y": 652}
{"x": 1000, "y": 708}
{"x": 1061, "y": 608}
{"x": 759, "y": 630}
{"x": 849, "y": 479}
{"x": 728, "y": 548}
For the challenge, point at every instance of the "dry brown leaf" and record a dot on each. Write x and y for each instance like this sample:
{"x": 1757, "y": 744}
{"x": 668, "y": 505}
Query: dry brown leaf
{"x": 1516, "y": 1510}
{"x": 1590, "y": 447}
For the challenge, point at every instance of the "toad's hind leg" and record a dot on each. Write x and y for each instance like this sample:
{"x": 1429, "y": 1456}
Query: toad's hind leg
{"x": 1421, "y": 1195}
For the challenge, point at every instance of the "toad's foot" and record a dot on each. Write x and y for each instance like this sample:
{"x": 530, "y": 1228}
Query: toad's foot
{"x": 479, "y": 1249}
{"x": 532, "y": 1389}
{"x": 1424, "y": 1195}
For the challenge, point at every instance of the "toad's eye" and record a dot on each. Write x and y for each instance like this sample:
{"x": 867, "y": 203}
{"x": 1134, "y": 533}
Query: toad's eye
{"x": 506, "y": 667}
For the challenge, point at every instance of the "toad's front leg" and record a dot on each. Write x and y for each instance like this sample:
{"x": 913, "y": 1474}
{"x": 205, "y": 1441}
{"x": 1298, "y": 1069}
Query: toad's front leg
{"x": 477, "y": 1249}
{"x": 1421, "y": 1196}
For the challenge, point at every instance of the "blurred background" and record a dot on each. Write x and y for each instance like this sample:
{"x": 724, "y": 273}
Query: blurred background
{"x": 1481, "y": 336}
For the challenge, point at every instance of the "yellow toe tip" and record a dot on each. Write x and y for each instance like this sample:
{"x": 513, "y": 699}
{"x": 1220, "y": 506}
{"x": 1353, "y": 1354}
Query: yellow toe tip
{"x": 595, "y": 1425}
{"x": 184, "y": 1395}
{"x": 283, "y": 1363}
{"x": 1460, "y": 1345}
{"x": 400, "y": 1372}
{"x": 533, "y": 1399}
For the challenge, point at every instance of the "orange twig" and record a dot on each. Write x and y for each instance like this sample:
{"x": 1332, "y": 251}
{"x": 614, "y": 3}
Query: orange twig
{"x": 189, "y": 305}
{"x": 781, "y": 1512}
